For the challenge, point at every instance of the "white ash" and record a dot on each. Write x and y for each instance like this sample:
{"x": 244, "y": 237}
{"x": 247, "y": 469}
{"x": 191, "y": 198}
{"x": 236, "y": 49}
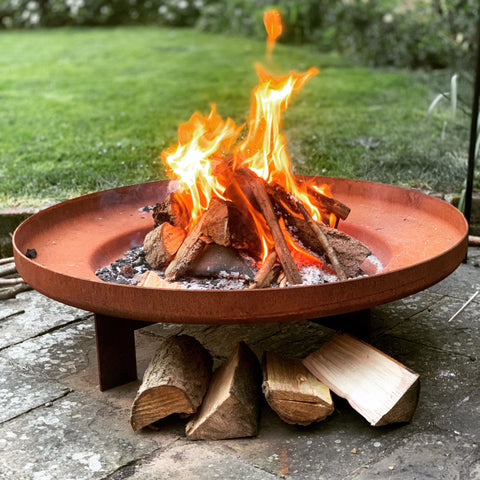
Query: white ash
{"x": 128, "y": 270}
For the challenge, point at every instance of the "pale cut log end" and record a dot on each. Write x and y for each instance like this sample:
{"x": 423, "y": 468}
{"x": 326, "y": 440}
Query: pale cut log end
{"x": 293, "y": 392}
{"x": 404, "y": 409}
{"x": 231, "y": 406}
{"x": 157, "y": 403}
{"x": 378, "y": 387}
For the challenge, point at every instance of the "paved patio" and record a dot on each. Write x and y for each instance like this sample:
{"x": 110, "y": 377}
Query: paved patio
{"x": 56, "y": 424}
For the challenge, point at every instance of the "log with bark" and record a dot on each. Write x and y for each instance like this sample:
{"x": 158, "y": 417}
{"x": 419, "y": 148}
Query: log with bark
{"x": 378, "y": 387}
{"x": 231, "y": 406}
{"x": 162, "y": 243}
{"x": 172, "y": 211}
{"x": 348, "y": 251}
{"x": 175, "y": 381}
{"x": 293, "y": 392}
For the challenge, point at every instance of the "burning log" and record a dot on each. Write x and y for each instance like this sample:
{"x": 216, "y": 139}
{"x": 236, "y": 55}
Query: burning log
{"x": 263, "y": 277}
{"x": 231, "y": 406}
{"x": 170, "y": 211}
{"x": 283, "y": 253}
{"x": 217, "y": 225}
{"x": 322, "y": 239}
{"x": 162, "y": 243}
{"x": 175, "y": 381}
{"x": 293, "y": 392}
{"x": 378, "y": 387}
{"x": 345, "y": 252}
{"x": 329, "y": 204}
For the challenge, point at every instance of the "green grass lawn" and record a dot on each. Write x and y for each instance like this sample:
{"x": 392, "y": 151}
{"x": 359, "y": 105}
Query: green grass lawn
{"x": 89, "y": 109}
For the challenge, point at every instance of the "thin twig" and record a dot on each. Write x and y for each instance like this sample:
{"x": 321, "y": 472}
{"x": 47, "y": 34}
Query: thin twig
{"x": 6, "y": 260}
{"x": 262, "y": 274}
{"x": 6, "y": 293}
{"x": 10, "y": 281}
{"x": 323, "y": 240}
{"x": 465, "y": 305}
{"x": 8, "y": 269}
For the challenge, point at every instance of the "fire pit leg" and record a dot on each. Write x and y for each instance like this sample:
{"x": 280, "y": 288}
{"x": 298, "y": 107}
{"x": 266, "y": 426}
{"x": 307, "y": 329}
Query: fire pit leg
{"x": 117, "y": 362}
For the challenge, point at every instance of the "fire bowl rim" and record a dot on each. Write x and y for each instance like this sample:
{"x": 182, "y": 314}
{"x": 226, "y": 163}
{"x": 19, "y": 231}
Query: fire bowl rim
{"x": 234, "y": 306}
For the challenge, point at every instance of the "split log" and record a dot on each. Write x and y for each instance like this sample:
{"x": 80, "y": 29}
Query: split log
{"x": 162, "y": 243}
{"x": 293, "y": 392}
{"x": 194, "y": 243}
{"x": 171, "y": 210}
{"x": 10, "y": 281}
{"x": 151, "y": 280}
{"x": 175, "y": 381}
{"x": 231, "y": 406}
{"x": 378, "y": 387}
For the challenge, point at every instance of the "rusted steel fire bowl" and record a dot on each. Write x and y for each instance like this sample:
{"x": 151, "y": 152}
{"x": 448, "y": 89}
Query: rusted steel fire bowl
{"x": 419, "y": 240}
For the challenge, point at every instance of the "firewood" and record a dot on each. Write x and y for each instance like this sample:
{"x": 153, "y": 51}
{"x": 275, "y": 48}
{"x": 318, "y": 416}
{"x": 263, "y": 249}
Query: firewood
{"x": 349, "y": 252}
{"x": 293, "y": 392}
{"x": 190, "y": 249}
{"x": 231, "y": 406}
{"x": 5, "y": 260}
{"x": 162, "y": 243}
{"x": 323, "y": 240}
{"x": 171, "y": 210}
{"x": 261, "y": 279}
{"x": 151, "y": 280}
{"x": 331, "y": 205}
{"x": 283, "y": 253}
{"x": 11, "y": 281}
{"x": 216, "y": 224}
{"x": 474, "y": 241}
{"x": 8, "y": 269}
{"x": 11, "y": 292}
{"x": 378, "y": 387}
{"x": 175, "y": 381}
{"x": 196, "y": 240}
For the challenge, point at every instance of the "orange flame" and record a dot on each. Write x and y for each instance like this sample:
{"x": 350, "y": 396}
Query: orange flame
{"x": 204, "y": 141}
{"x": 273, "y": 25}
{"x": 189, "y": 161}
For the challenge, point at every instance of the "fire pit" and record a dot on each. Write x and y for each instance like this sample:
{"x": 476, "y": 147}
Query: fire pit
{"x": 418, "y": 239}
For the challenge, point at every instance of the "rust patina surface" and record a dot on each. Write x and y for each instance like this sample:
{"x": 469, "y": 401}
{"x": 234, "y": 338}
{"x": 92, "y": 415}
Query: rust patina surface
{"x": 418, "y": 239}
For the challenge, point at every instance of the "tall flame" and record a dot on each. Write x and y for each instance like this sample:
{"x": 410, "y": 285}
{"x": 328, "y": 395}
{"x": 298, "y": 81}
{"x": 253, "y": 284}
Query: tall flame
{"x": 273, "y": 25}
{"x": 190, "y": 161}
{"x": 205, "y": 141}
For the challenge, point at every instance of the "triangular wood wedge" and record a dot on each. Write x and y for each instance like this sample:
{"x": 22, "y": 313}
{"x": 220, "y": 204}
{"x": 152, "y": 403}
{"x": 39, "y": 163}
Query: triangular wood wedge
{"x": 293, "y": 392}
{"x": 175, "y": 381}
{"x": 378, "y": 387}
{"x": 231, "y": 406}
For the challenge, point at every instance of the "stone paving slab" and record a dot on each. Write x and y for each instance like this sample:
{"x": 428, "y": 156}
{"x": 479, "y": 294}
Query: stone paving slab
{"x": 56, "y": 424}
{"x": 31, "y": 314}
